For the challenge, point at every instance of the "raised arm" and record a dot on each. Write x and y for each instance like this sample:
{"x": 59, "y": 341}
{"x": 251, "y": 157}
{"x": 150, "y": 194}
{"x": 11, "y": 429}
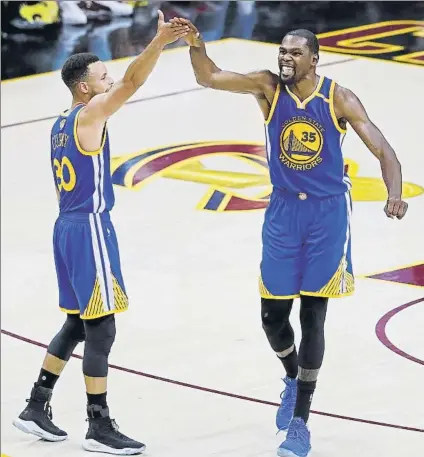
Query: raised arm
{"x": 348, "y": 106}
{"x": 208, "y": 74}
{"x": 261, "y": 84}
{"x": 104, "y": 105}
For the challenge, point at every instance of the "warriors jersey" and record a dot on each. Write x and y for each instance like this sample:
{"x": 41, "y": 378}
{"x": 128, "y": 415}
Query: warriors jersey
{"x": 82, "y": 178}
{"x": 303, "y": 142}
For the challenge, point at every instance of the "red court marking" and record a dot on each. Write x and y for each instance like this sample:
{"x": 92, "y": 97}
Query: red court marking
{"x": 220, "y": 392}
{"x": 413, "y": 275}
{"x": 380, "y": 330}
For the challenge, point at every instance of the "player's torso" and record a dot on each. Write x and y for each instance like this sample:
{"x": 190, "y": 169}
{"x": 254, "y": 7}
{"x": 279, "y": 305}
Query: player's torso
{"x": 83, "y": 179}
{"x": 303, "y": 142}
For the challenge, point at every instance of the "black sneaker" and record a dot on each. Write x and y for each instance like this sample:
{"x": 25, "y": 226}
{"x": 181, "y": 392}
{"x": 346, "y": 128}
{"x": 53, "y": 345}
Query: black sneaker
{"x": 36, "y": 418}
{"x": 103, "y": 435}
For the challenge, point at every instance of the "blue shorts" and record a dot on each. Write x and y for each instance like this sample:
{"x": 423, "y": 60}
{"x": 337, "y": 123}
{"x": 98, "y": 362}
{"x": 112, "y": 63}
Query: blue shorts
{"x": 88, "y": 266}
{"x": 306, "y": 246}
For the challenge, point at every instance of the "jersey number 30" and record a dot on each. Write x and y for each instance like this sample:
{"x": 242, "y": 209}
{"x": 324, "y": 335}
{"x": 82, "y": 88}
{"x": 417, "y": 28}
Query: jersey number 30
{"x": 66, "y": 183}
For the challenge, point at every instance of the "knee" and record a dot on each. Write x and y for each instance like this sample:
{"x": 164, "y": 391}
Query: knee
{"x": 100, "y": 334}
{"x": 275, "y": 322}
{"x": 275, "y": 311}
{"x": 73, "y": 329}
{"x": 68, "y": 337}
{"x": 313, "y": 311}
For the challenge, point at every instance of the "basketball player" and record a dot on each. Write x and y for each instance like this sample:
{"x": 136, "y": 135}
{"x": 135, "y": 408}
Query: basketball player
{"x": 91, "y": 287}
{"x": 306, "y": 232}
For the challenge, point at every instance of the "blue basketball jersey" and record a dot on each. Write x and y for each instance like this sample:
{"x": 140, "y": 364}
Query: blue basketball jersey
{"x": 303, "y": 142}
{"x": 82, "y": 178}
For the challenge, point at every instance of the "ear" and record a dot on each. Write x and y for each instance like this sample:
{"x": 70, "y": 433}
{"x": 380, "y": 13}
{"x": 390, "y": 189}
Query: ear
{"x": 83, "y": 87}
{"x": 315, "y": 59}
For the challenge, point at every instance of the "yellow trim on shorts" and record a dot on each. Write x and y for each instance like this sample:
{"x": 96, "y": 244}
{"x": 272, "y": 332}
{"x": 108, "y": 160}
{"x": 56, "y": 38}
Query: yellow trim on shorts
{"x": 276, "y": 297}
{"x": 107, "y": 313}
{"x": 265, "y": 293}
{"x": 70, "y": 311}
{"x": 318, "y": 294}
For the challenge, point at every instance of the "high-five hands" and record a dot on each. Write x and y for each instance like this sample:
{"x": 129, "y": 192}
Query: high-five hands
{"x": 193, "y": 37}
{"x": 169, "y": 32}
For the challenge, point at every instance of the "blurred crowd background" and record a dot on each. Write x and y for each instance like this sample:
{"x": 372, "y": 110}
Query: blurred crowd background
{"x": 38, "y": 36}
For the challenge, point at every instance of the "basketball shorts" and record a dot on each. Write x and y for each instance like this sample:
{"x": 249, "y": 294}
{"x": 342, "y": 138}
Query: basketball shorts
{"x": 88, "y": 265}
{"x": 306, "y": 246}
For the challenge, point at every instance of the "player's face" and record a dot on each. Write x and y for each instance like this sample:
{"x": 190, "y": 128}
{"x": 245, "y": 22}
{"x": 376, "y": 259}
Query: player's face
{"x": 99, "y": 80}
{"x": 295, "y": 60}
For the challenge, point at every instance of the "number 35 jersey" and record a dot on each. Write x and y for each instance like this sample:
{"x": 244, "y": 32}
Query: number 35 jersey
{"x": 303, "y": 143}
{"x": 82, "y": 178}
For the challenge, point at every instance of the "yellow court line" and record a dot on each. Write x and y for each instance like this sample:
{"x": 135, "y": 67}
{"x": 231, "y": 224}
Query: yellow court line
{"x": 359, "y": 28}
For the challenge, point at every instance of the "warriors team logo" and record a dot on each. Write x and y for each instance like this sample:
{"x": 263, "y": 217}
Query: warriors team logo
{"x": 301, "y": 144}
{"x": 234, "y": 176}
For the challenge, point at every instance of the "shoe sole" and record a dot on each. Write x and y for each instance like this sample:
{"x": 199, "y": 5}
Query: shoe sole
{"x": 287, "y": 453}
{"x": 95, "y": 446}
{"x": 31, "y": 428}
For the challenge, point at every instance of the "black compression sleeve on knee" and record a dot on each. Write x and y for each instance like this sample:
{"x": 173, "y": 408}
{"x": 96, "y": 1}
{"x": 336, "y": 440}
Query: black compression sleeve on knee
{"x": 67, "y": 338}
{"x": 313, "y": 312}
{"x": 100, "y": 335}
{"x": 275, "y": 322}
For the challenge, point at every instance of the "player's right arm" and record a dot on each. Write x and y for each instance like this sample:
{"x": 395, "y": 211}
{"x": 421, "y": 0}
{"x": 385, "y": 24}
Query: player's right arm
{"x": 102, "y": 106}
{"x": 261, "y": 84}
{"x": 208, "y": 74}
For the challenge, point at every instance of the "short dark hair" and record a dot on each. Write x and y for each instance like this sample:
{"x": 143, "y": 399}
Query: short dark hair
{"x": 311, "y": 39}
{"x": 75, "y": 69}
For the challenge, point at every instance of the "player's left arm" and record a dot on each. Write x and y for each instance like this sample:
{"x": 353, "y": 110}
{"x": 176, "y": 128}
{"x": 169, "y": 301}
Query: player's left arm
{"x": 348, "y": 106}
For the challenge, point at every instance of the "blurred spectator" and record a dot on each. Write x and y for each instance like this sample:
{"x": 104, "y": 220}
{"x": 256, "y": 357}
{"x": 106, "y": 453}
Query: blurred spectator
{"x": 38, "y": 36}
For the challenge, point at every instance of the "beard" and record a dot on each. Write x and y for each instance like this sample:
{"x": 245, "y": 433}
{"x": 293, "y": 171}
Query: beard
{"x": 287, "y": 78}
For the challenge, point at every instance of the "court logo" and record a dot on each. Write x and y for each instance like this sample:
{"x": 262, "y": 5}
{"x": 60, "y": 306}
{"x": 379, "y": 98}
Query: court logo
{"x": 398, "y": 41}
{"x": 301, "y": 144}
{"x": 234, "y": 176}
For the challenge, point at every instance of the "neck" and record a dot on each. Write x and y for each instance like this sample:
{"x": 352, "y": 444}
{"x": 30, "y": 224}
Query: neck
{"x": 77, "y": 100}
{"x": 304, "y": 88}
{"x": 75, "y": 103}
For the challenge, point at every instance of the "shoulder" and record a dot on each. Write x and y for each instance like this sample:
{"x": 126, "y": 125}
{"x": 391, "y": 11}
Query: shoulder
{"x": 346, "y": 102}
{"x": 264, "y": 78}
{"x": 348, "y": 105}
{"x": 91, "y": 114}
{"x": 267, "y": 82}
{"x": 343, "y": 95}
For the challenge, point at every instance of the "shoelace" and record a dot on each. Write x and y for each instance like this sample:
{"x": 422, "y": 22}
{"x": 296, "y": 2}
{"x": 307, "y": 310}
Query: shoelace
{"x": 297, "y": 431}
{"x": 115, "y": 427}
{"x": 112, "y": 425}
{"x": 290, "y": 399}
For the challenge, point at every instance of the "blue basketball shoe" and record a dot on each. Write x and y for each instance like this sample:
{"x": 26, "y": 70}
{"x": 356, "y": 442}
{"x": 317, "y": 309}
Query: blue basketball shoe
{"x": 298, "y": 440}
{"x": 288, "y": 403}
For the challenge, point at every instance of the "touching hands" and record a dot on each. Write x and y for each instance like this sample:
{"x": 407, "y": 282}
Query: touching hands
{"x": 169, "y": 32}
{"x": 193, "y": 36}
